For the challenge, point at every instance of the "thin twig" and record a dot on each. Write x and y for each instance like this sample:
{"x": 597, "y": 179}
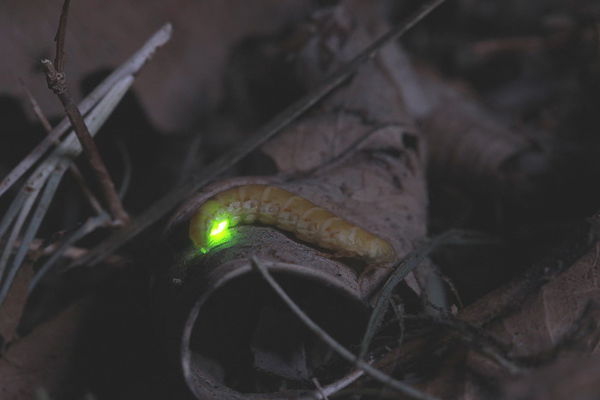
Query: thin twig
{"x": 57, "y": 82}
{"x": 59, "y": 60}
{"x": 337, "y": 347}
{"x": 75, "y": 173}
{"x": 167, "y": 203}
{"x": 40, "y": 247}
{"x": 87, "y": 193}
{"x": 130, "y": 67}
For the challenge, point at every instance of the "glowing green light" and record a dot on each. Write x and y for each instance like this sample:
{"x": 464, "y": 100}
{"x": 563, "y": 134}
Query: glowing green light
{"x": 218, "y": 233}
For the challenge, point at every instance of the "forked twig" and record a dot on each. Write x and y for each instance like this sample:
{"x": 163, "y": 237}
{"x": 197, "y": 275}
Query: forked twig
{"x": 337, "y": 347}
{"x": 167, "y": 203}
{"x": 57, "y": 82}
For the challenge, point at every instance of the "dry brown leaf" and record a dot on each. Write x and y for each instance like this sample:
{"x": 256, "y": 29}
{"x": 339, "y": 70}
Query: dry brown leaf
{"x": 381, "y": 185}
{"x": 555, "y": 327}
{"x": 548, "y": 315}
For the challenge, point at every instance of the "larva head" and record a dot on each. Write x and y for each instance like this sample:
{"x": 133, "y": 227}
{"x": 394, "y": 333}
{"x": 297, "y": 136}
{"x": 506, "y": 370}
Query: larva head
{"x": 210, "y": 226}
{"x": 373, "y": 248}
{"x": 381, "y": 251}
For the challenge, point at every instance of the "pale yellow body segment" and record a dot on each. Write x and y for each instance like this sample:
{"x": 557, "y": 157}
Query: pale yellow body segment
{"x": 271, "y": 205}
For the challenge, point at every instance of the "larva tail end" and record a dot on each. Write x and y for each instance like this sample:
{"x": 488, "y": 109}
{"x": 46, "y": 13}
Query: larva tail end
{"x": 385, "y": 253}
{"x": 210, "y": 226}
{"x": 197, "y": 231}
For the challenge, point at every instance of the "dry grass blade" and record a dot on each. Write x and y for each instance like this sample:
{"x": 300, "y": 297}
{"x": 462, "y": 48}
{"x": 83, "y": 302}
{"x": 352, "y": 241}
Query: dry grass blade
{"x": 23, "y": 212}
{"x": 32, "y": 228}
{"x": 12, "y": 212}
{"x": 275, "y": 126}
{"x": 48, "y": 174}
{"x": 127, "y": 169}
{"x": 59, "y": 61}
{"x": 337, "y": 347}
{"x": 131, "y": 67}
{"x": 341, "y": 384}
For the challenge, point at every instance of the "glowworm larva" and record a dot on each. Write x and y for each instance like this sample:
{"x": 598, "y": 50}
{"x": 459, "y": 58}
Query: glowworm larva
{"x": 271, "y": 205}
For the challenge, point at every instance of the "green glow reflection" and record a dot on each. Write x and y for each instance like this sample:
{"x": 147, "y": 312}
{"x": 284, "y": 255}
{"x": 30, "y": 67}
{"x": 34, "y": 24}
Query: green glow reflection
{"x": 218, "y": 233}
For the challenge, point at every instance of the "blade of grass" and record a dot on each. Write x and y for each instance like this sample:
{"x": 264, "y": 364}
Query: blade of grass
{"x": 340, "y": 384}
{"x": 12, "y": 212}
{"x": 10, "y": 243}
{"x": 32, "y": 228}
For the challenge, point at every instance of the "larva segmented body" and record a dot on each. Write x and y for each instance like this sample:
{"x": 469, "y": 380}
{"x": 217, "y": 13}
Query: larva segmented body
{"x": 271, "y": 205}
